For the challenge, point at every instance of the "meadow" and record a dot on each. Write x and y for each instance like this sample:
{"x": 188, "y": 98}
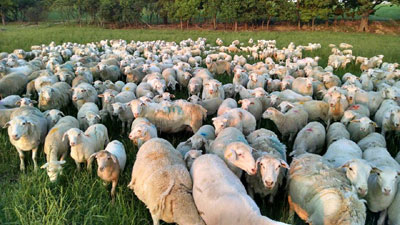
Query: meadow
{"x": 80, "y": 197}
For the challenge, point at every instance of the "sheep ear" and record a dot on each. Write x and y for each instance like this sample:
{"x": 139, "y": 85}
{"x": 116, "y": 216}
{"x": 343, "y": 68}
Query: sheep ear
{"x": 284, "y": 164}
{"x": 34, "y": 101}
{"x": 98, "y": 117}
{"x": 355, "y": 121}
{"x": 376, "y": 170}
{"x": 114, "y": 159}
{"x": 373, "y": 124}
{"x": 7, "y": 125}
{"x": 61, "y": 114}
{"x": 240, "y": 101}
{"x": 186, "y": 156}
{"x": 94, "y": 155}
{"x": 18, "y": 102}
{"x": 61, "y": 162}
{"x": 44, "y": 166}
{"x": 230, "y": 154}
{"x": 346, "y": 165}
{"x": 64, "y": 136}
{"x": 100, "y": 95}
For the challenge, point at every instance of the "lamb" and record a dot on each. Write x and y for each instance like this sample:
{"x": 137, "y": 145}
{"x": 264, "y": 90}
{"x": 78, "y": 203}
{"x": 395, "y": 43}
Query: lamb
{"x": 303, "y": 86}
{"x": 320, "y": 194}
{"x": 202, "y": 136}
{"x": 227, "y": 105}
{"x": 83, "y": 93}
{"x": 382, "y": 185}
{"x": 160, "y": 180}
{"x": 291, "y": 96}
{"x": 124, "y": 113}
{"x": 372, "y": 140}
{"x": 212, "y": 89}
{"x": 386, "y": 106}
{"x": 111, "y": 163}
{"x": 27, "y": 129}
{"x": 239, "y": 118}
{"x": 215, "y": 185}
{"x": 289, "y": 123}
{"x": 391, "y": 121}
{"x": 310, "y": 139}
{"x": 219, "y": 67}
{"x": 252, "y": 105}
{"x": 336, "y": 131}
{"x": 347, "y": 155}
{"x": 360, "y": 128}
{"x": 195, "y": 85}
{"x": 144, "y": 89}
{"x": 55, "y": 149}
{"x": 317, "y": 110}
{"x": 56, "y": 96}
{"x": 232, "y": 146}
{"x": 172, "y": 118}
{"x": 109, "y": 72}
{"x": 211, "y": 105}
{"x": 88, "y": 115}
{"x": 52, "y": 117}
{"x": 84, "y": 144}
{"x": 13, "y": 84}
{"x": 141, "y": 131}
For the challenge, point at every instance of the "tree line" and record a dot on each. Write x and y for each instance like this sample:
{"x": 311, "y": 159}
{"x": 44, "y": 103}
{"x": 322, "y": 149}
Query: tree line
{"x": 185, "y": 12}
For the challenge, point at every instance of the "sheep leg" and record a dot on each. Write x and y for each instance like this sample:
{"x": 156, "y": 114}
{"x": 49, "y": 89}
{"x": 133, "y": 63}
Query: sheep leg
{"x": 156, "y": 220}
{"x": 123, "y": 127}
{"x": 250, "y": 192}
{"x": 63, "y": 156}
{"x": 21, "y": 158}
{"x": 78, "y": 166}
{"x": 34, "y": 153}
{"x": 114, "y": 185}
{"x": 382, "y": 217}
{"x": 383, "y": 132}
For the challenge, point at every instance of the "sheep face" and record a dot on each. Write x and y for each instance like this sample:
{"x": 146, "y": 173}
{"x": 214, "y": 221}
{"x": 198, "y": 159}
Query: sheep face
{"x": 137, "y": 107}
{"x": 105, "y": 160}
{"x": 92, "y": 118}
{"x": 285, "y": 106}
{"x": 65, "y": 77}
{"x": 190, "y": 156}
{"x": 53, "y": 116}
{"x": 46, "y": 93}
{"x": 118, "y": 108}
{"x": 395, "y": 118}
{"x": 18, "y": 127}
{"x": 74, "y": 136}
{"x": 387, "y": 179}
{"x": 198, "y": 141}
{"x": 358, "y": 171}
{"x": 26, "y": 102}
{"x": 53, "y": 169}
{"x": 239, "y": 154}
{"x": 79, "y": 93}
{"x": 270, "y": 167}
{"x": 219, "y": 123}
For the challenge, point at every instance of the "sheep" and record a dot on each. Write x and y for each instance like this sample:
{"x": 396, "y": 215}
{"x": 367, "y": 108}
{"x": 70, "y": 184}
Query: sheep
{"x": 252, "y": 105}
{"x": 391, "y": 121}
{"x": 190, "y": 156}
{"x": 211, "y": 105}
{"x": 336, "y": 131}
{"x": 84, "y": 144}
{"x": 320, "y": 194}
{"x": 170, "y": 77}
{"x": 109, "y": 72}
{"x": 144, "y": 89}
{"x": 360, "y": 128}
{"x": 5, "y": 115}
{"x": 369, "y": 98}
{"x": 386, "y": 106}
{"x": 111, "y": 163}
{"x": 134, "y": 75}
{"x": 83, "y": 93}
{"x": 232, "y": 146}
{"x": 52, "y": 116}
{"x": 215, "y": 185}
{"x": 129, "y": 87}
{"x": 202, "y": 136}
{"x": 219, "y": 67}
{"x": 337, "y": 106}
{"x": 183, "y": 79}
{"x": 239, "y": 118}
{"x": 240, "y": 78}
{"x": 382, "y": 184}
{"x": 172, "y": 118}
{"x": 317, "y": 110}
{"x": 289, "y": 123}
{"x": 256, "y": 81}
{"x": 195, "y": 85}
{"x": 310, "y": 139}
{"x": 56, "y": 96}
{"x": 347, "y": 155}
{"x": 303, "y": 86}
{"x": 162, "y": 182}
{"x": 141, "y": 131}
{"x": 26, "y": 102}
{"x": 372, "y": 140}
{"x": 124, "y": 113}
{"x": 13, "y": 84}
{"x": 393, "y": 211}
{"x": 227, "y": 105}
{"x": 88, "y": 115}
{"x": 10, "y": 101}
{"x": 27, "y": 129}
{"x": 291, "y": 96}
{"x": 212, "y": 89}
{"x": 55, "y": 149}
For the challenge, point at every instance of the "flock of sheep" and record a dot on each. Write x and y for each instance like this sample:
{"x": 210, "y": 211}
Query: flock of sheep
{"x": 314, "y": 110}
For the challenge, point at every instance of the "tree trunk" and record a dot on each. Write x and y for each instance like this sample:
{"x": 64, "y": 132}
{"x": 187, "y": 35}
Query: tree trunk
{"x": 236, "y": 26}
{"x": 268, "y": 22}
{"x": 245, "y": 26}
{"x": 262, "y": 24}
{"x": 165, "y": 19}
{"x": 181, "y": 24}
{"x": 3, "y": 19}
{"x": 312, "y": 24}
{"x": 298, "y": 24}
{"x": 215, "y": 21}
{"x": 298, "y": 15}
{"x": 187, "y": 24}
{"x": 364, "y": 22}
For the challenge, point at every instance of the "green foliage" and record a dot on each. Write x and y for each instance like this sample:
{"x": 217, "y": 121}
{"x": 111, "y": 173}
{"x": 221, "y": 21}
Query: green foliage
{"x": 311, "y": 9}
{"x": 131, "y": 10}
{"x": 109, "y": 11}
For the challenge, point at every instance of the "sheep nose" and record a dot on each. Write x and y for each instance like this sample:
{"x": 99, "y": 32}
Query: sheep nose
{"x": 72, "y": 143}
{"x": 136, "y": 115}
{"x": 362, "y": 191}
{"x": 101, "y": 168}
{"x": 15, "y": 137}
{"x": 386, "y": 191}
{"x": 74, "y": 98}
{"x": 253, "y": 171}
{"x": 269, "y": 183}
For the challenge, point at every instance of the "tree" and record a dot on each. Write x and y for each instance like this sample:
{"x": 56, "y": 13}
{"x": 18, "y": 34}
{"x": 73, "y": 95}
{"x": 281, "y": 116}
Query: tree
{"x": 212, "y": 8}
{"x": 311, "y": 9}
{"x": 164, "y": 9}
{"x": 365, "y": 8}
{"x": 269, "y": 8}
{"x": 131, "y": 10}
{"x": 5, "y": 7}
{"x": 232, "y": 10}
{"x": 109, "y": 11}
{"x": 184, "y": 10}
{"x": 64, "y": 7}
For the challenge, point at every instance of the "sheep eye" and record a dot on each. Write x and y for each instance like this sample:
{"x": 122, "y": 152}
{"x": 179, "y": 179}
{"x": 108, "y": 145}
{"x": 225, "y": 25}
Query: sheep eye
{"x": 378, "y": 174}
{"x": 350, "y": 168}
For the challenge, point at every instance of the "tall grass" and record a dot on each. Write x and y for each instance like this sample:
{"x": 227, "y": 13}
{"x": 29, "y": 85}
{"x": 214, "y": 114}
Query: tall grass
{"x": 80, "y": 197}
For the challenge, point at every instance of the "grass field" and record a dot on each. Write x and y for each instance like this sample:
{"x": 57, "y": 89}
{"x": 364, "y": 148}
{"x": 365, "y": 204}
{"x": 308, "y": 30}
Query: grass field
{"x": 79, "y": 197}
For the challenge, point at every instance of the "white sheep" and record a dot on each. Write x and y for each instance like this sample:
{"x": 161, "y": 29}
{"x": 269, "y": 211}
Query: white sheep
{"x": 382, "y": 185}
{"x": 320, "y": 194}
{"x": 195, "y": 85}
{"x": 360, "y": 128}
{"x": 317, "y": 110}
{"x": 83, "y": 93}
{"x": 111, "y": 163}
{"x": 303, "y": 86}
{"x": 336, "y": 131}
{"x": 56, "y": 96}
{"x": 309, "y": 139}
{"x": 52, "y": 116}
{"x": 84, "y": 144}
{"x": 202, "y": 136}
{"x": 372, "y": 140}
{"x": 252, "y": 105}
{"x": 239, "y": 118}
{"x": 124, "y": 113}
{"x": 27, "y": 129}
{"x": 141, "y": 131}
{"x": 55, "y": 148}
{"x": 212, "y": 89}
{"x": 88, "y": 115}
{"x": 227, "y": 105}
{"x": 215, "y": 185}
{"x": 160, "y": 180}
{"x": 347, "y": 155}
{"x": 289, "y": 123}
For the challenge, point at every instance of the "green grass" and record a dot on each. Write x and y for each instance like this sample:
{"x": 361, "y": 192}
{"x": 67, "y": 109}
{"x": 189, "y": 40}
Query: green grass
{"x": 79, "y": 197}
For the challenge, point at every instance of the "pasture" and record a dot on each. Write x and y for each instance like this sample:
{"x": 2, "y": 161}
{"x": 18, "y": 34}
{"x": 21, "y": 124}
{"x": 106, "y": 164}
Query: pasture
{"x": 80, "y": 197}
